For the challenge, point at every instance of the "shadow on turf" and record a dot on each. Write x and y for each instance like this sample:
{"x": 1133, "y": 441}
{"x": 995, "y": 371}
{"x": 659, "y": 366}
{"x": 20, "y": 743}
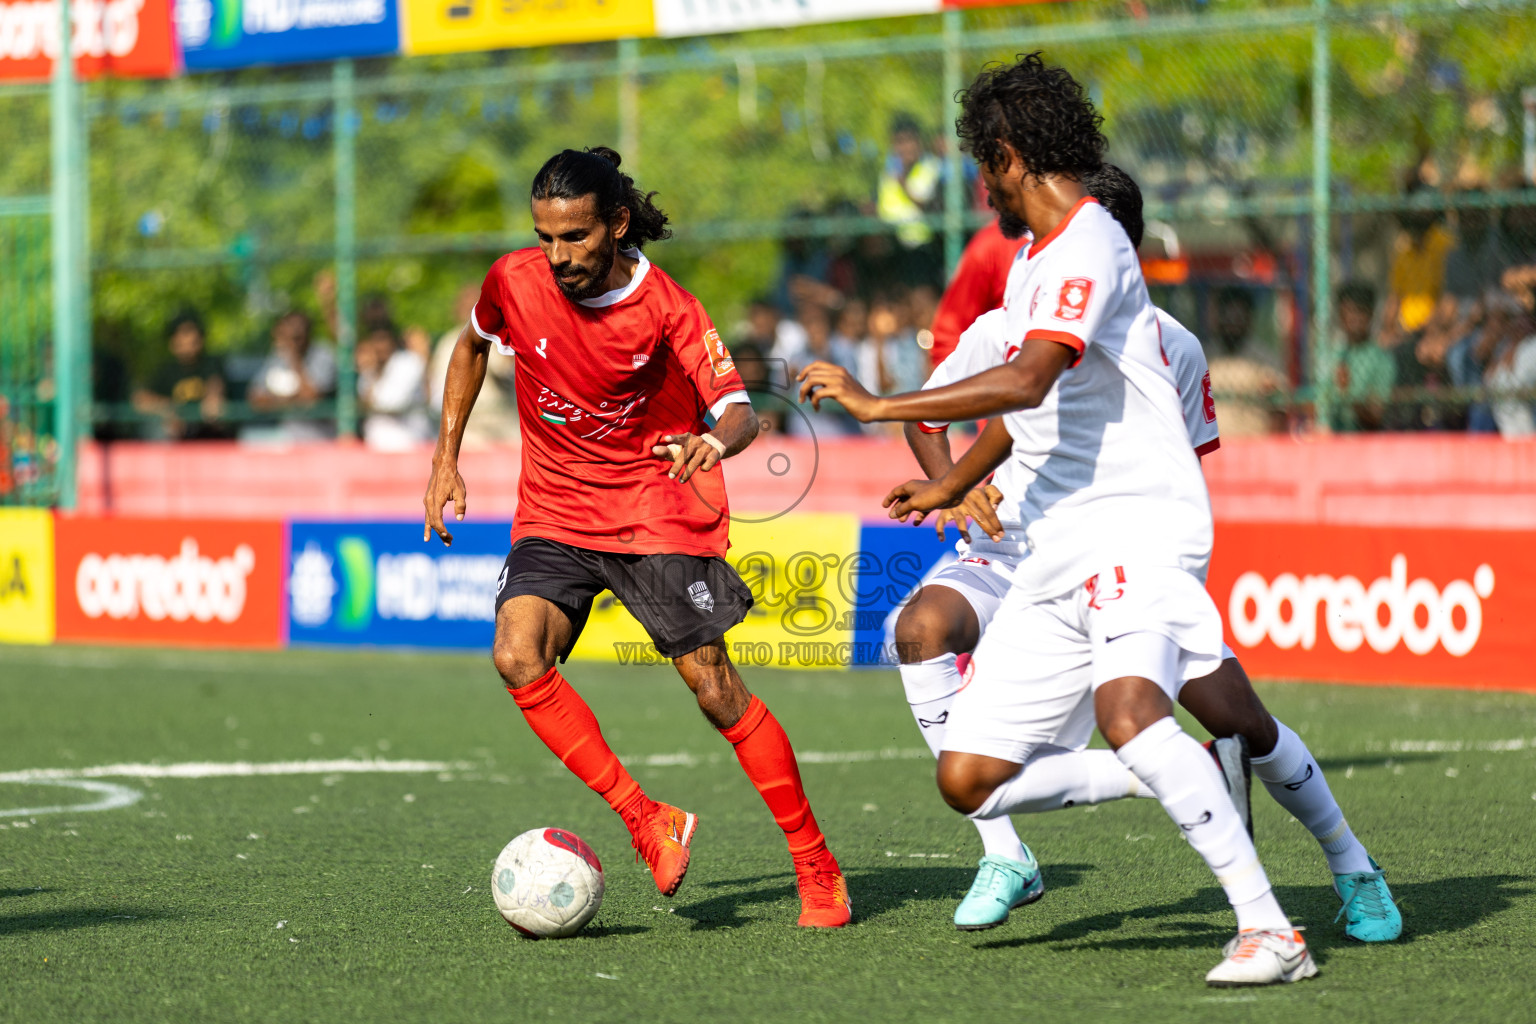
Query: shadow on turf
{"x": 874, "y": 892}
{"x": 1343, "y": 762}
{"x": 604, "y": 931}
{"x": 87, "y": 917}
{"x": 1429, "y": 908}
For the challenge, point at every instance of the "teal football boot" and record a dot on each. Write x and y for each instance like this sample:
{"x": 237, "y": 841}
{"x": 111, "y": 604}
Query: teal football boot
{"x": 1369, "y": 912}
{"x": 1001, "y": 884}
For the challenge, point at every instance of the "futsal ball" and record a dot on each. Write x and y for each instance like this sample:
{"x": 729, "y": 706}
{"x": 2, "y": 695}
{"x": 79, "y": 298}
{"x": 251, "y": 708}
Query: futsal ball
{"x": 547, "y": 883}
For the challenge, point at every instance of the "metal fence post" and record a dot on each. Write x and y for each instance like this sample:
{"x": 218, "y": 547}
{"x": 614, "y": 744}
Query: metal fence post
{"x": 1322, "y": 256}
{"x": 71, "y": 391}
{"x": 629, "y": 104}
{"x": 344, "y": 98}
{"x": 954, "y": 186}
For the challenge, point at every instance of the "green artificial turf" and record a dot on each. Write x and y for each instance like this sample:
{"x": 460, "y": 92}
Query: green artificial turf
{"x": 169, "y": 909}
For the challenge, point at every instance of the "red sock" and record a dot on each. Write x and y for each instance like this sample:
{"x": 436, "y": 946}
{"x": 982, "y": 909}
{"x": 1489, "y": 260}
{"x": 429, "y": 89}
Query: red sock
{"x": 769, "y": 761}
{"x": 567, "y": 726}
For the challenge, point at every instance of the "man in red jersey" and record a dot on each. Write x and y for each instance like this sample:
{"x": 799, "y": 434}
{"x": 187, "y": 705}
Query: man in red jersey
{"x": 617, "y": 369}
{"x": 976, "y": 288}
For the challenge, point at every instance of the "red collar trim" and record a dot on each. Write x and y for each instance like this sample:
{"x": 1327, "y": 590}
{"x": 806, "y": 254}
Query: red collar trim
{"x": 1034, "y": 250}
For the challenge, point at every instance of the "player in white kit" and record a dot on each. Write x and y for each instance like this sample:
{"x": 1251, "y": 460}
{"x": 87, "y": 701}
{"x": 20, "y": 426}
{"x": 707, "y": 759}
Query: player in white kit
{"x": 1108, "y": 615}
{"x": 956, "y": 601}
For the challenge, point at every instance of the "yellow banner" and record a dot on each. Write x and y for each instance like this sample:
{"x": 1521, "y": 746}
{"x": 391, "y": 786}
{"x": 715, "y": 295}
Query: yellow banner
{"x": 451, "y": 26}
{"x": 26, "y": 576}
{"x": 797, "y": 567}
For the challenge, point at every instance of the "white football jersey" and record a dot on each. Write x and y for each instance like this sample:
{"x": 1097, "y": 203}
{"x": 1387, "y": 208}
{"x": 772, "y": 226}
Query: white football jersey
{"x": 1104, "y": 472}
{"x": 985, "y": 345}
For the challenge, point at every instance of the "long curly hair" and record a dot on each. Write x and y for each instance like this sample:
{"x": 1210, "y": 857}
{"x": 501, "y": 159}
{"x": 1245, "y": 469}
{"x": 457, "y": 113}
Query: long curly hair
{"x": 1038, "y": 109}
{"x": 570, "y": 174}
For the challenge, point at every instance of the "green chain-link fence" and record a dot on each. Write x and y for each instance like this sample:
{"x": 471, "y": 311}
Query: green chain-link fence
{"x": 359, "y": 191}
{"x": 28, "y": 449}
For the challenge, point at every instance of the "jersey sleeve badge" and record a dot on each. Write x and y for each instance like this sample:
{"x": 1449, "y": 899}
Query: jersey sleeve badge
{"x": 1072, "y": 303}
{"x": 1208, "y": 400}
{"x": 718, "y": 355}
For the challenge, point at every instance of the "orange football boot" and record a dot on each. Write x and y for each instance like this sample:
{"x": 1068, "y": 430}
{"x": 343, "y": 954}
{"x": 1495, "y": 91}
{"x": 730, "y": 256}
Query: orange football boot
{"x": 662, "y": 837}
{"x": 823, "y": 892}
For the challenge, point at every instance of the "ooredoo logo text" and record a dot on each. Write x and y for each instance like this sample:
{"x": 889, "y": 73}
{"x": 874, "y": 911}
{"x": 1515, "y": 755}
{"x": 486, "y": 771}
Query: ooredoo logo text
{"x": 102, "y": 28}
{"x": 1390, "y": 610}
{"x": 182, "y": 586}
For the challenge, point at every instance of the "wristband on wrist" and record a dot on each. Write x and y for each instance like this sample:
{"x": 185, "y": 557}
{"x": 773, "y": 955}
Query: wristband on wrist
{"x": 714, "y": 442}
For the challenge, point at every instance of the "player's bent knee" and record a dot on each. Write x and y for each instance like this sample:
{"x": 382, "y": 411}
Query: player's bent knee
{"x": 723, "y": 700}
{"x": 962, "y": 789}
{"x": 519, "y": 665}
{"x": 1225, "y": 703}
{"x": 929, "y": 626}
{"x": 1126, "y": 706}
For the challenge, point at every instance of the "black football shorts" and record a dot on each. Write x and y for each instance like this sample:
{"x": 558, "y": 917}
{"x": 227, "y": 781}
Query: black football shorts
{"x": 683, "y": 601}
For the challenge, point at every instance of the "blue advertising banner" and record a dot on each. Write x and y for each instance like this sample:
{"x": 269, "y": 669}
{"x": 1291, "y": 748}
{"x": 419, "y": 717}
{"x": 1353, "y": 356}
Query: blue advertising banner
{"x": 376, "y": 583}
{"x": 895, "y": 558}
{"x": 219, "y": 34}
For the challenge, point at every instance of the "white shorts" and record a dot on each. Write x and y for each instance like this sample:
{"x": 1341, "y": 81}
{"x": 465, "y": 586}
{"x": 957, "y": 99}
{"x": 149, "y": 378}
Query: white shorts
{"x": 982, "y": 577}
{"x": 1033, "y": 675}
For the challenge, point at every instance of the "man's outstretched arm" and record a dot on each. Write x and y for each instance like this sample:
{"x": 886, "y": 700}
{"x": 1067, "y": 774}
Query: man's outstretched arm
{"x": 1020, "y": 384}
{"x": 924, "y": 496}
{"x": 466, "y": 373}
{"x": 931, "y": 449}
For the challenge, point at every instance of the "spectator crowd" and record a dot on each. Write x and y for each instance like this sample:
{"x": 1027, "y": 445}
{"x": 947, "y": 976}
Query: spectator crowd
{"x": 1450, "y": 342}
{"x": 1445, "y": 341}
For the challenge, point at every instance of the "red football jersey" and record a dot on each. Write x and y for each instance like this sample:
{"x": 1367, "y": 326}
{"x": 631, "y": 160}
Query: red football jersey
{"x": 977, "y": 288}
{"x": 598, "y": 383}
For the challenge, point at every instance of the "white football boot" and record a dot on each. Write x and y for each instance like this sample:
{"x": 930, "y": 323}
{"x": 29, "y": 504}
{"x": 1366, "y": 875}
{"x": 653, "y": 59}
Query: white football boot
{"x": 1263, "y": 958}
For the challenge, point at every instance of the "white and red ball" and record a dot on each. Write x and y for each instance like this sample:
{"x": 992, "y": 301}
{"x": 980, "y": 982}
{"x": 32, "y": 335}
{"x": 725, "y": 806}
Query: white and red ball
{"x": 547, "y": 883}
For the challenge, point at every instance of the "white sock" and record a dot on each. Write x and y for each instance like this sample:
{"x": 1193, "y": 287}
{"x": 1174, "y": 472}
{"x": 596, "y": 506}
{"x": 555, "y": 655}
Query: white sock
{"x": 1187, "y": 783}
{"x": 1054, "y": 778}
{"x": 1294, "y": 778}
{"x": 931, "y": 687}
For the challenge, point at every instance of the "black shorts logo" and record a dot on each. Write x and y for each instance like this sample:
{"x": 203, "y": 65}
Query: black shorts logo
{"x": 702, "y": 598}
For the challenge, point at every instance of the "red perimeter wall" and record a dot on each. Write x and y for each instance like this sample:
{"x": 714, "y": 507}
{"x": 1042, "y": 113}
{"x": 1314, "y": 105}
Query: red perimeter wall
{"x": 1423, "y": 480}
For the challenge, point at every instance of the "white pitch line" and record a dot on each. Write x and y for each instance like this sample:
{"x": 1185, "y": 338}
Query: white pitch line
{"x": 233, "y": 769}
{"x": 112, "y": 797}
{"x": 680, "y": 759}
{"x": 685, "y": 759}
{"x": 1459, "y": 746}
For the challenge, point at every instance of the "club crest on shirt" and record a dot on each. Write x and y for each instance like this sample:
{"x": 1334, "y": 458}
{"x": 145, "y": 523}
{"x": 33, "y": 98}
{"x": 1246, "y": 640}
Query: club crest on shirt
{"x": 702, "y": 598}
{"x": 1072, "y": 304}
{"x": 639, "y": 360}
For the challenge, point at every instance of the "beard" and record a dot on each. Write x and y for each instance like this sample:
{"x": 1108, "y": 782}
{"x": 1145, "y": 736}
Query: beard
{"x": 1009, "y": 223}
{"x": 592, "y": 282}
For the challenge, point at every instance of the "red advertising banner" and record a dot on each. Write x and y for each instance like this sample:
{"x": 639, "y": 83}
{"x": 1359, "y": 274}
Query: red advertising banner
{"x": 127, "y": 38}
{"x": 191, "y": 583}
{"x": 1388, "y": 606}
